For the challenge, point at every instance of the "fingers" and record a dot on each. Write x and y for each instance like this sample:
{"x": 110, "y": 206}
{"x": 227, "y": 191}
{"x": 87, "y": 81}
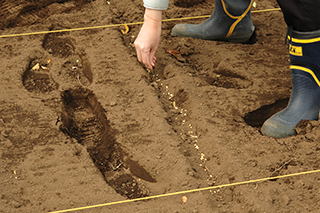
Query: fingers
{"x": 150, "y": 59}
{"x": 153, "y": 61}
{"x": 146, "y": 57}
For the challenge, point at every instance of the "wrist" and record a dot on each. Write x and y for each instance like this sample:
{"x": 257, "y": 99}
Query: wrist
{"x": 151, "y": 19}
{"x": 153, "y": 15}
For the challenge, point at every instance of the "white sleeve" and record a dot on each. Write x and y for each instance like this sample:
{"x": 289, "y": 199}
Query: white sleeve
{"x": 156, "y": 4}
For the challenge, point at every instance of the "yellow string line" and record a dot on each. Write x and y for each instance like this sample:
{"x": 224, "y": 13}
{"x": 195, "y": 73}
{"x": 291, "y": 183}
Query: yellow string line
{"x": 187, "y": 191}
{"x": 117, "y": 25}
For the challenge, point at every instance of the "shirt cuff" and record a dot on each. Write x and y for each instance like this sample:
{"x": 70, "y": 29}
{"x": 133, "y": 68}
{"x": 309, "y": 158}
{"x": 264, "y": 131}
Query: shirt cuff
{"x": 156, "y": 4}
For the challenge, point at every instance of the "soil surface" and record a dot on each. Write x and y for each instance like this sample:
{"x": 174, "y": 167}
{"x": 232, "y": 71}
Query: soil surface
{"x": 82, "y": 122}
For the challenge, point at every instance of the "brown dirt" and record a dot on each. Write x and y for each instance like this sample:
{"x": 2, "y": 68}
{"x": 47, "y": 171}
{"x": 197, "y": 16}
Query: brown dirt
{"x": 96, "y": 127}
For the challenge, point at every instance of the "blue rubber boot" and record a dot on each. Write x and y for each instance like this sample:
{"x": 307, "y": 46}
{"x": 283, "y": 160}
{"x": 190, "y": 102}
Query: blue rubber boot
{"x": 230, "y": 21}
{"x": 304, "y": 103}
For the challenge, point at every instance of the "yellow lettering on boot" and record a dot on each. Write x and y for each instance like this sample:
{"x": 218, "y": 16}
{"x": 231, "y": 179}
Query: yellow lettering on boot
{"x": 295, "y": 50}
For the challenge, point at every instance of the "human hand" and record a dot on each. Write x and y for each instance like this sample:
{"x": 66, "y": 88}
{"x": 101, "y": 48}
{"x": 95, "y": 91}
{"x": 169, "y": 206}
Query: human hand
{"x": 148, "y": 39}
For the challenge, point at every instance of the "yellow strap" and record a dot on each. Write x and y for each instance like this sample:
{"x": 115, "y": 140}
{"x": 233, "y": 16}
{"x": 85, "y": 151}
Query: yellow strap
{"x": 239, "y": 18}
{"x": 304, "y": 41}
{"x": 306, "y": 70}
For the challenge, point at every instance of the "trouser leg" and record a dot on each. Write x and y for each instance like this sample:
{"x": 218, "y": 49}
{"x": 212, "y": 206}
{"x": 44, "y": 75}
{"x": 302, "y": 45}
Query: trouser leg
{"x": 301, "y": 15}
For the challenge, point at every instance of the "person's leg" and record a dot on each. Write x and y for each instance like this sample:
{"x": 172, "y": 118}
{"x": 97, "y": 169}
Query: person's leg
{"x": 302, "y": 18}
{"x": 301, "y": 15}
{"x": 230, "y": 21}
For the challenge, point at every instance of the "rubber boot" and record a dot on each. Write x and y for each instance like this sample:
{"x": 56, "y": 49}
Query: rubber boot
{"x": 304, "y": 102}
{"x": 230, "y": 21}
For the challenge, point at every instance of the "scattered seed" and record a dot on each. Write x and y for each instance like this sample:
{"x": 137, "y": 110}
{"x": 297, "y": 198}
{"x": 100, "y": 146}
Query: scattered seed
{"x": 44, "y": 68}
{"x": 36, "y": 67}
{"x": 184, "y": 199}
{"x": 174, "y": 104}
{"x": 254, "y": 4}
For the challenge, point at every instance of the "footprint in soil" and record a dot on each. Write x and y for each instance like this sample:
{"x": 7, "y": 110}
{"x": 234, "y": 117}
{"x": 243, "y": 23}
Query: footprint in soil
{"x": 26, "y": 12}
{"x": 228, "y": 79}
{"x": 61, "y": 65}
{"x": 82, "y": 116}
{"x": 37, "y": 78}
{"x": 257, "y": 117}
{"x": 84, "y": 119}
{"x": 73, "y": 67}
